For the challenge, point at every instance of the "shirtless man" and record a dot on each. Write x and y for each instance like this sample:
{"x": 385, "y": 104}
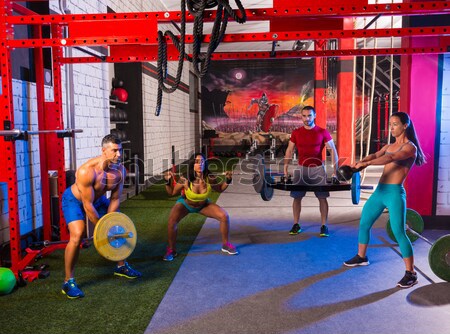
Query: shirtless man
{"x": 397, "y": 158}
{"x": 86, "y": 197}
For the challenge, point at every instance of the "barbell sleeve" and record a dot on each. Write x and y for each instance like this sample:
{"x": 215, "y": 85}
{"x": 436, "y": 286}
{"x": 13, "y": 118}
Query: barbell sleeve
{"x": 17, "y": 132}
{"x": 121, "y": 235}
{"x": 419, "y": 235}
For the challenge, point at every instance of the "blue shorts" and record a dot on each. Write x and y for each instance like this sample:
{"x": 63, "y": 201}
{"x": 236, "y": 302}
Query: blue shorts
{"x": 190, "y": 208}
{"x": 73, "y": 208}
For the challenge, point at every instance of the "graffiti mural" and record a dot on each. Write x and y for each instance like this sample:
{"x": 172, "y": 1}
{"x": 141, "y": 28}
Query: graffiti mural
{"x": 246, "y": 100}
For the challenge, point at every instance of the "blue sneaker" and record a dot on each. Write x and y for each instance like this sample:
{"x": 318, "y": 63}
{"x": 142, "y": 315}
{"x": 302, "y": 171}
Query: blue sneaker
{"x": 296, "y": 229}
{"x": 127, "y": 271}
{"x": 324, "y": 231}
{"x": 71, "y": 290}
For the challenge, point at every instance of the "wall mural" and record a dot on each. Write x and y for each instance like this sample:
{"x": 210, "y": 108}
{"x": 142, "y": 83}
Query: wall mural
{"x": 244, "y": 101}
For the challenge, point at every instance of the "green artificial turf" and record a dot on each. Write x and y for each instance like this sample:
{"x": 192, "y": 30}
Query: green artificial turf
{"x": 112, "y": 304}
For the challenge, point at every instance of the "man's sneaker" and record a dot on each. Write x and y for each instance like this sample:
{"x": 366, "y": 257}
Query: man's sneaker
{"x": 324, "y": 231}
{"x": 357, "y": 261}
{"x": 71, "y": 290}
{"x": 229, "y": 248}
{"x": 296, "y": 229}
{"x": 408, "y": 280}
{"x": 170, "y": 254}
{"x": 127, "y": 271}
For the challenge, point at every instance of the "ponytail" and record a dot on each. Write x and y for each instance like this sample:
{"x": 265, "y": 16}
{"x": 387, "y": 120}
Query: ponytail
{"x": 412, "y": 136}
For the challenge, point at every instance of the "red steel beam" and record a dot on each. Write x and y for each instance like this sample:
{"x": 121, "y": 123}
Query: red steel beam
{"x": 173, "y": 56}
{"x": 349, "y": 10}
{"x": 43, "y": 152}
{"x": 8, "y": 170}
{"x": 330, "y": 53}
{"x": 56, "y": 121}
{"x": 234, "y": 38}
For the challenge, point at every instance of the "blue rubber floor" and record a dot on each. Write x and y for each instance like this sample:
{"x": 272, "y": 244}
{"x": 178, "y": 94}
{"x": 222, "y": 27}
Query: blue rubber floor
{"x": 297, "y": 284}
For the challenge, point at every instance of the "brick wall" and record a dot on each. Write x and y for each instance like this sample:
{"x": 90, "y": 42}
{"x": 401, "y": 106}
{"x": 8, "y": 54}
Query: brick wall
{"x": 443, "y": 189}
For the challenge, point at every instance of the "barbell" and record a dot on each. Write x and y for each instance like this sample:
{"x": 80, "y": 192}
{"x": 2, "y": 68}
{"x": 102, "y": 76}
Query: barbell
{"x": 114, "y": 237}
{"x": 439, "y": 254}
{"x": 264, "y": 184}
{"x": 23, "y": 134}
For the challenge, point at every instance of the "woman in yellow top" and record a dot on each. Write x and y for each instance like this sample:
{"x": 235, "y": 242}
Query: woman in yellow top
{"x": 194, "y": 199}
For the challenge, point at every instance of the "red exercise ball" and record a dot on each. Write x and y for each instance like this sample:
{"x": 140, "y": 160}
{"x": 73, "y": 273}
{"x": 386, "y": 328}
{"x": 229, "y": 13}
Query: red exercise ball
{"x": 121, "y": 94}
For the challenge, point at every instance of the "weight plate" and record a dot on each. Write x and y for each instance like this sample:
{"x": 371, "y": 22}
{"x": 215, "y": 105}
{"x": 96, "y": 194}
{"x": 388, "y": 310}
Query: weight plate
{"x": 111, "y": 248}
{"x": 413, "y": 220}
{"x": 439, "y": 257}
{"x": 258, "y": 177}
{"x": 356, "y": 188}
{"x": 267, "y": 192}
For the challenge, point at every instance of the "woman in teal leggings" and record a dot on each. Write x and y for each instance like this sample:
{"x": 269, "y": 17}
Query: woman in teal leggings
{"x": 397, "y": 158}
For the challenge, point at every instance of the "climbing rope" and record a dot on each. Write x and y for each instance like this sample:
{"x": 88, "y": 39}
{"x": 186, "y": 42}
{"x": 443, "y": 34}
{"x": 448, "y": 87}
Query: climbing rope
{"x": 201, "y": 62}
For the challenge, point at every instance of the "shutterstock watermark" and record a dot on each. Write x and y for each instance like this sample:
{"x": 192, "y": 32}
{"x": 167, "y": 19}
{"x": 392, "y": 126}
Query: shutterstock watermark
{"x": 249, "y": 170}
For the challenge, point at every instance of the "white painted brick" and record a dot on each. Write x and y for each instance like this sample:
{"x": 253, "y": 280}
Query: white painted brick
{"x": 443, "y": 195}
{"x": 445, "y": 126}
{"x": 26, "y": 226}
{"x": 443, "y": 187}
{"x": 444, "y": 161}
{"x": 445, "y": 114}
{"x": 442, "y": 198}
{"x": 444, "y": 150}
{"x": 445, "y": 138}
{"x": 443, "y": 210}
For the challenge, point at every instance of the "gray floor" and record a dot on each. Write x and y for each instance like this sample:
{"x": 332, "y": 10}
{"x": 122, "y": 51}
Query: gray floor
{"x": 297, "y": 284}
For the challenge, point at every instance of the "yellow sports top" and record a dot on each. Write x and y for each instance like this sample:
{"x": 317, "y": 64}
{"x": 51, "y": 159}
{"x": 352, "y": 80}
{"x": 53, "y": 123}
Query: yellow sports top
{"x": 194, "y": 197}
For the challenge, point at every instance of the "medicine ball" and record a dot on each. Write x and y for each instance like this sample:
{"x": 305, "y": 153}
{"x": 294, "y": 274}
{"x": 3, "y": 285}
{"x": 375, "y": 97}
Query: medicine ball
{"x": 7, "y": 281}
{"x": 121, "y": 94}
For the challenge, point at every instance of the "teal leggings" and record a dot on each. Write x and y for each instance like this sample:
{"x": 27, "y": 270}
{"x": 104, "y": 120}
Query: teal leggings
{"x": 393, "y": 197}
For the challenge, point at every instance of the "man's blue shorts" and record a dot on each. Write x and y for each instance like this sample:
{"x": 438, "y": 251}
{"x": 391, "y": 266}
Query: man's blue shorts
{"x": 73, "y": 209}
